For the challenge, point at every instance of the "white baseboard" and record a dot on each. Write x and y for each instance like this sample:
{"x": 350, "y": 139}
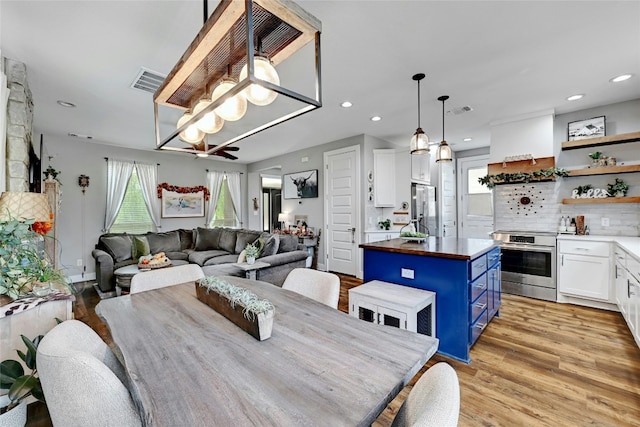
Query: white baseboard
{"x": 82, "y": 278}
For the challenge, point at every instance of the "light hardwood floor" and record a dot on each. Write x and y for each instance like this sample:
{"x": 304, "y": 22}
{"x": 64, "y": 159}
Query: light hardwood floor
{"x": 539, "y": 364}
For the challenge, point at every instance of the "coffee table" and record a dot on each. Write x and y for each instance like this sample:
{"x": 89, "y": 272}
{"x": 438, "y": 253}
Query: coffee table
{"x": 251, "y": 269}
{"x": 123, "y": 278}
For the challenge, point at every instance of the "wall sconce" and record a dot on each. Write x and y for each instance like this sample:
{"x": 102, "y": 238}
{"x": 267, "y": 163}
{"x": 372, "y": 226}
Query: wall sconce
{"x": 83, "y": 181}
{"x": 232, "y": 59}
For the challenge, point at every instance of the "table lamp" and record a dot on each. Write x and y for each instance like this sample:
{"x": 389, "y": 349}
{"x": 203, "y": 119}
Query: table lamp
{"x": 24, "y": 205}
{"x": 282, "y": 218}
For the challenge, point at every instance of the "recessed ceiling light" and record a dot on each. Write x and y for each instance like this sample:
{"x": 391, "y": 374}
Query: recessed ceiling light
{"x": 621, "y": 78}
{"x": 66, "y": 104}
{"x": 467, "y": 139}
{"x": 346, "y": 104}
{"x": 376, "y": 118}
{"x": 575, "y": 97}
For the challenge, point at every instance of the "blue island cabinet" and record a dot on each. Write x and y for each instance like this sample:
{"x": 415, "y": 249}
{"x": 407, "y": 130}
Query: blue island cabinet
{"x": 467, "y": 284}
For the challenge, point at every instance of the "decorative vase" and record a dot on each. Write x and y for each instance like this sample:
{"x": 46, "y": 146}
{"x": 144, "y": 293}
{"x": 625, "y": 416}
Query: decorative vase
{"x": 5, "y": 299}
{"x": 251, "y": 260}
{"x": 15, "y": 417}
{"x": 41, "y": 289}
{"x": 619, "y": 194}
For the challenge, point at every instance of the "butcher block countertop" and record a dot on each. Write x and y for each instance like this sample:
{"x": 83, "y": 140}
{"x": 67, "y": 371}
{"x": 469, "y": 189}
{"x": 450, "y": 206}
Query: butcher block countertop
{"x": 439, "y": 247}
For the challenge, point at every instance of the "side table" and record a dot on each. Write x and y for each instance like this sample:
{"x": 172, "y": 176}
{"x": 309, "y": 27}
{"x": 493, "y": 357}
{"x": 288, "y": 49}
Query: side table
{"x": 123, "y": 278}
{"x": 250, "y": 269}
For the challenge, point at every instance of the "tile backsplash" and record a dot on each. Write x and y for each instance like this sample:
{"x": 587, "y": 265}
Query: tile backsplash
{"x": 545, "y": 209}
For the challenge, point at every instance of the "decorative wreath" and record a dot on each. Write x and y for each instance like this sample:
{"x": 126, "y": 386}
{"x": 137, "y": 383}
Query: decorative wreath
{"x": 182, "y": 190}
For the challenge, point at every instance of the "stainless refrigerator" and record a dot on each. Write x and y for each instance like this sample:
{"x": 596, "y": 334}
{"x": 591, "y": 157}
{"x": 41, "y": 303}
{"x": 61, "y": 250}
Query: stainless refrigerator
{"x": 424, "y": 208}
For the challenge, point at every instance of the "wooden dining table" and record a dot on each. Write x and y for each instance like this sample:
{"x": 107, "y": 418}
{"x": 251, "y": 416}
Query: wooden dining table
{"x": 190, "y": 366}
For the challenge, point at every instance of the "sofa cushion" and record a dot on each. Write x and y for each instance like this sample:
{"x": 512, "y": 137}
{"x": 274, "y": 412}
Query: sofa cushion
{"x": 228, "y": 240}
{"x": 207, "y": 239}
{"x": 243, "y": 237}
{"x": 175, "y": 256}
{"x": 271, "y": 246}
{"x": 119, "y": 247}
{"x": 168, "y": 241}
{"x": 200, "y": 257}
{"x": 288, "y": 243}
{"x": 222, "y": 259}
{"x": 139, "y": 247}
{"x": 186, "y": 239}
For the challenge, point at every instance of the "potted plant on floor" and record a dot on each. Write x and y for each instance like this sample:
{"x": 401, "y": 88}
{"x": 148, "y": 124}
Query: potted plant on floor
{"x": 21, "y": 385}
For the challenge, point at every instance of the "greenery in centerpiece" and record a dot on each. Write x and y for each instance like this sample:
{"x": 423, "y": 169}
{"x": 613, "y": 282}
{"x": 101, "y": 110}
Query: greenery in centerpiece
{"x": 237, "y": 295}
{"x": 507, "y": 178}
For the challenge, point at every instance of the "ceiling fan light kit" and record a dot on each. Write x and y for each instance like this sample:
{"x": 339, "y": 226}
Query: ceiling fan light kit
{"x": 233, "y": 58}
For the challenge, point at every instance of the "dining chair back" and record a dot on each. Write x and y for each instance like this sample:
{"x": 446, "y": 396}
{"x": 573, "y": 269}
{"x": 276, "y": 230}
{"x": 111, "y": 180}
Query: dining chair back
{"x": 162, "y": 277}
{"x": 318, "y": 285}
{"x": 83, "y": 382}
{"x": 433, "y": 401}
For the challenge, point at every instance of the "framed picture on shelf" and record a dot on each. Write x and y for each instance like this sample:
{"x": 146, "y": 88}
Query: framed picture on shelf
{"x": 182, "y": 205}
{"x": 300, "y": 185}
{"x": 582, "y": 129}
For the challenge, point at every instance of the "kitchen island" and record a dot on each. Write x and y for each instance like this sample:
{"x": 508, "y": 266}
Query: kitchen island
{"x": 464, "y": 274}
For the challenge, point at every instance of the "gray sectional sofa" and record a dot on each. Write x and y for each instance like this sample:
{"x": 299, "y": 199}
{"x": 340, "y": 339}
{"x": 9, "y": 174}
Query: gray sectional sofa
{"x": 214, "y": 249}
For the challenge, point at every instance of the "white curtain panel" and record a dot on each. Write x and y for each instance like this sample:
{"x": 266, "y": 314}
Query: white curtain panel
{"x": 214, "y": 182}
{"x": 4, "y": 97}
{"x": 233, "y": 180}
{"x": 148, "y": 178}
{"x": 118, "y": 174}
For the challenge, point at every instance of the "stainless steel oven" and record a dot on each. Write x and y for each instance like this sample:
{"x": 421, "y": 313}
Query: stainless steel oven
{"x": 528, "y": 263}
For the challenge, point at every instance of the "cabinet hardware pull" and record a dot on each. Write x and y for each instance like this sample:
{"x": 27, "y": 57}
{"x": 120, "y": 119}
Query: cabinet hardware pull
{"x": 481, "y": 326}
{"x": 480, "y": 305}
{"x": 628, "y": 289}
{"x": 481, "y": 286}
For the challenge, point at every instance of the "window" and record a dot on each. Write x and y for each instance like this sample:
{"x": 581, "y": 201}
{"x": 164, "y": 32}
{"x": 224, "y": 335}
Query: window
{"x": 225, "y": 215}
{"x": 133, "y": 216}
{"x": 479, "y": 202}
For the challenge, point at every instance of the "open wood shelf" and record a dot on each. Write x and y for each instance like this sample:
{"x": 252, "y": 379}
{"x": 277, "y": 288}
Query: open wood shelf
{"x": 605, "y": 170}
{"x": 603, "y": 140}
{"x": 601, "y": 201}
{"x": 521, "y": 166}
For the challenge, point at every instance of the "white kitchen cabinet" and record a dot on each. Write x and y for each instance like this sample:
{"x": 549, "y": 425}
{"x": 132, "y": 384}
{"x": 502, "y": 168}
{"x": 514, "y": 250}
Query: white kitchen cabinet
{"x": 620, "y": 276}
{"x": 584, "y": 270}
{"x": 378, "y": 236}
{"x": 420, "y": 171}
{"x": 633, "y": 294}
{"x": 384, "y": 178}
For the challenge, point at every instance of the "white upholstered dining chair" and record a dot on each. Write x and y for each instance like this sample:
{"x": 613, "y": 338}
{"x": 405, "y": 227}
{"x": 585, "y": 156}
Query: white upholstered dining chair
{"x": 82, "y": 380}
{"x": 433, "y": 401}
{"x": 162, "y": 277}
{"x": 318, "y": 285}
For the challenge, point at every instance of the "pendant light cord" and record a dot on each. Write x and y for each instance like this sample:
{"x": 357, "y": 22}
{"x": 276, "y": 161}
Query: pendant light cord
{"x": 443, "y": 120}
{"x": 418, "y": 103}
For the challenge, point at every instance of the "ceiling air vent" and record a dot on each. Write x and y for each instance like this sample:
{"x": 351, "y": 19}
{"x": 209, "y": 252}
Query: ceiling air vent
{"x": 456, "y": 111}
{"x": 148, "y": 80}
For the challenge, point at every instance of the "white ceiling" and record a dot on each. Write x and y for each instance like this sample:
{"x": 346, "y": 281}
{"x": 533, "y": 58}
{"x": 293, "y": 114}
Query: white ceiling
{"x": 501, "y": 58}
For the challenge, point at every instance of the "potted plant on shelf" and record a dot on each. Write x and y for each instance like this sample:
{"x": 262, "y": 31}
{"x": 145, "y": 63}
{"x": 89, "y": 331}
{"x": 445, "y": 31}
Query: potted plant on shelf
{"x": 384, "y": 225}
{"x": 13, "y": 407}
{"x": 251, "y": 251}
{"x": 618, "y": 189}
{"x": 595, "y": 158}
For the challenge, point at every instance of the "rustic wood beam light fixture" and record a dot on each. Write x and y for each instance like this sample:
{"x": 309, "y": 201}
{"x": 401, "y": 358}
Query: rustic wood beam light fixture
{"x": 231, "y": 61}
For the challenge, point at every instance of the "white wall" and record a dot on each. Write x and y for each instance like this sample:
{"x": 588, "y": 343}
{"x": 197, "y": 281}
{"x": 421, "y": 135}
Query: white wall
{"x": 531, "y": 134}
{"x": 81, "y": 217}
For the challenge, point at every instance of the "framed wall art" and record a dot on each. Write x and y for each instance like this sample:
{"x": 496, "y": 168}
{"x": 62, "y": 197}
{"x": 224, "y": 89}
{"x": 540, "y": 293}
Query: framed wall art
{"x": 182, "y": 205}
{"x": 583, "y": 129}
{"x": 300, "y": 185}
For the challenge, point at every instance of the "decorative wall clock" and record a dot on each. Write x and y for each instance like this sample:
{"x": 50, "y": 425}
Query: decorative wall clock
{"x": 526, "y": 200}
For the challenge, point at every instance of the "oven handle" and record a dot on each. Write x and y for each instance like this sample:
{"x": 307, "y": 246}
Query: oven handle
{"x": 530, "y": 248}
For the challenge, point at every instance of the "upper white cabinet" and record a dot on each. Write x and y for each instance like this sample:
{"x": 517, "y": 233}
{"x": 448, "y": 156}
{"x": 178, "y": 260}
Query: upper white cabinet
{"x": 420, "y": 168}
{"x": 384, "y": 178}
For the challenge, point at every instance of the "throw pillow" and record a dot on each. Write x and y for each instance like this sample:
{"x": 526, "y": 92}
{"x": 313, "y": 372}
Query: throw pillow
{"x": 119, "y": 247}
{"x": 288, "y": 243}
{"x": 168, "y": 241}
{"x": 228, "y": 240}
{"x": 186, "y": 239}
{"x": 140, "y": 247}
{"x": 207, "y": 239}
{"x": 243, "y": 237}
{"x": 270, "y": 246}
{"x": 242, "y": 257}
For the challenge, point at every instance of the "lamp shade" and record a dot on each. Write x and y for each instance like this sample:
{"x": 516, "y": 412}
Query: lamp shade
{"x": 211, "y": 122}
{"x": 282, "y": 217}
{"x": 191, "y": 135}
{"x": 23, "y": 205}
{"x": 419, "y": 142}
{"x": 233, "y": 108}
{"x": 255, "y": 93}
{"x": 444, "y": 152}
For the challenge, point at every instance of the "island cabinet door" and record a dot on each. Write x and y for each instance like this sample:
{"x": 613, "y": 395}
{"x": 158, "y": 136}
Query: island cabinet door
{"x": 372, "y": 312}
{"x": 494, "y": 285}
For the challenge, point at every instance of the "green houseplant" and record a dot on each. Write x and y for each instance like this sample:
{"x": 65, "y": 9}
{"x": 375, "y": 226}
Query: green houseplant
{"x": 618, "y": 189}
{"x": 251, "y": 251}
{"x": 20, "y": 384}
{"x": 384, "y": 225}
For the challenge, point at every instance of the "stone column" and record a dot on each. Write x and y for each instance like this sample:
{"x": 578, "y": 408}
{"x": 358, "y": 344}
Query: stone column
{"x": 19, "y": 125}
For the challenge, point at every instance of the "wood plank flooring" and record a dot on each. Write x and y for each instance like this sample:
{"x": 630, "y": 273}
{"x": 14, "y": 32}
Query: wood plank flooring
{"x": 539, "y": 364}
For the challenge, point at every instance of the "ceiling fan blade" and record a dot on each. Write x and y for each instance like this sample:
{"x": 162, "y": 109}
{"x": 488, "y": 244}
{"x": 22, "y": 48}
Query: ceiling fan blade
{"x": 225, "y": 155}
{"x": 227, "y": 148}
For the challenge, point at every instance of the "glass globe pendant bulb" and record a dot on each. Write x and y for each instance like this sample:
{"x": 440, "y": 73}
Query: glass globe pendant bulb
{"x": 419, "y": 142}
{"x": 444, "y": 152}
{"x": 263, "y": 70}
{"x": 233, "y": 108}
{"x": 211, "y": 122}
{"x": 191, "y": 135}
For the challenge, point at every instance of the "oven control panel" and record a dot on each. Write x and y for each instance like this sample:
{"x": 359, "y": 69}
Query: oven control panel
{"x": 522, "y": 239}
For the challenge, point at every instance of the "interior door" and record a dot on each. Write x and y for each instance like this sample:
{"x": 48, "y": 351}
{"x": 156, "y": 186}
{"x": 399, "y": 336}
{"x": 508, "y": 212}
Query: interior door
{"x": 476, "y": 200}
{"x": 447, "y": 200}
{"x": 342, "y": 210}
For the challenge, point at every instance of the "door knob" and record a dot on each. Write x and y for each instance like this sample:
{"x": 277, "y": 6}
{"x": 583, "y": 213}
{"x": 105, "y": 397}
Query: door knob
{"x": 353, "y": 234}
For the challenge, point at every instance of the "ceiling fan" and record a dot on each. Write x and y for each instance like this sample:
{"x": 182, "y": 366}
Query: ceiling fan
{"x": 223, "y": 152}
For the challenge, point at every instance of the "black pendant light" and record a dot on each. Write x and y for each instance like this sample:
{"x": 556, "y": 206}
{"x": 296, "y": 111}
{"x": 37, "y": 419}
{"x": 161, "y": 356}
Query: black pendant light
{"x": 443, "y": 154}
{"x": 420, "y": 140}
